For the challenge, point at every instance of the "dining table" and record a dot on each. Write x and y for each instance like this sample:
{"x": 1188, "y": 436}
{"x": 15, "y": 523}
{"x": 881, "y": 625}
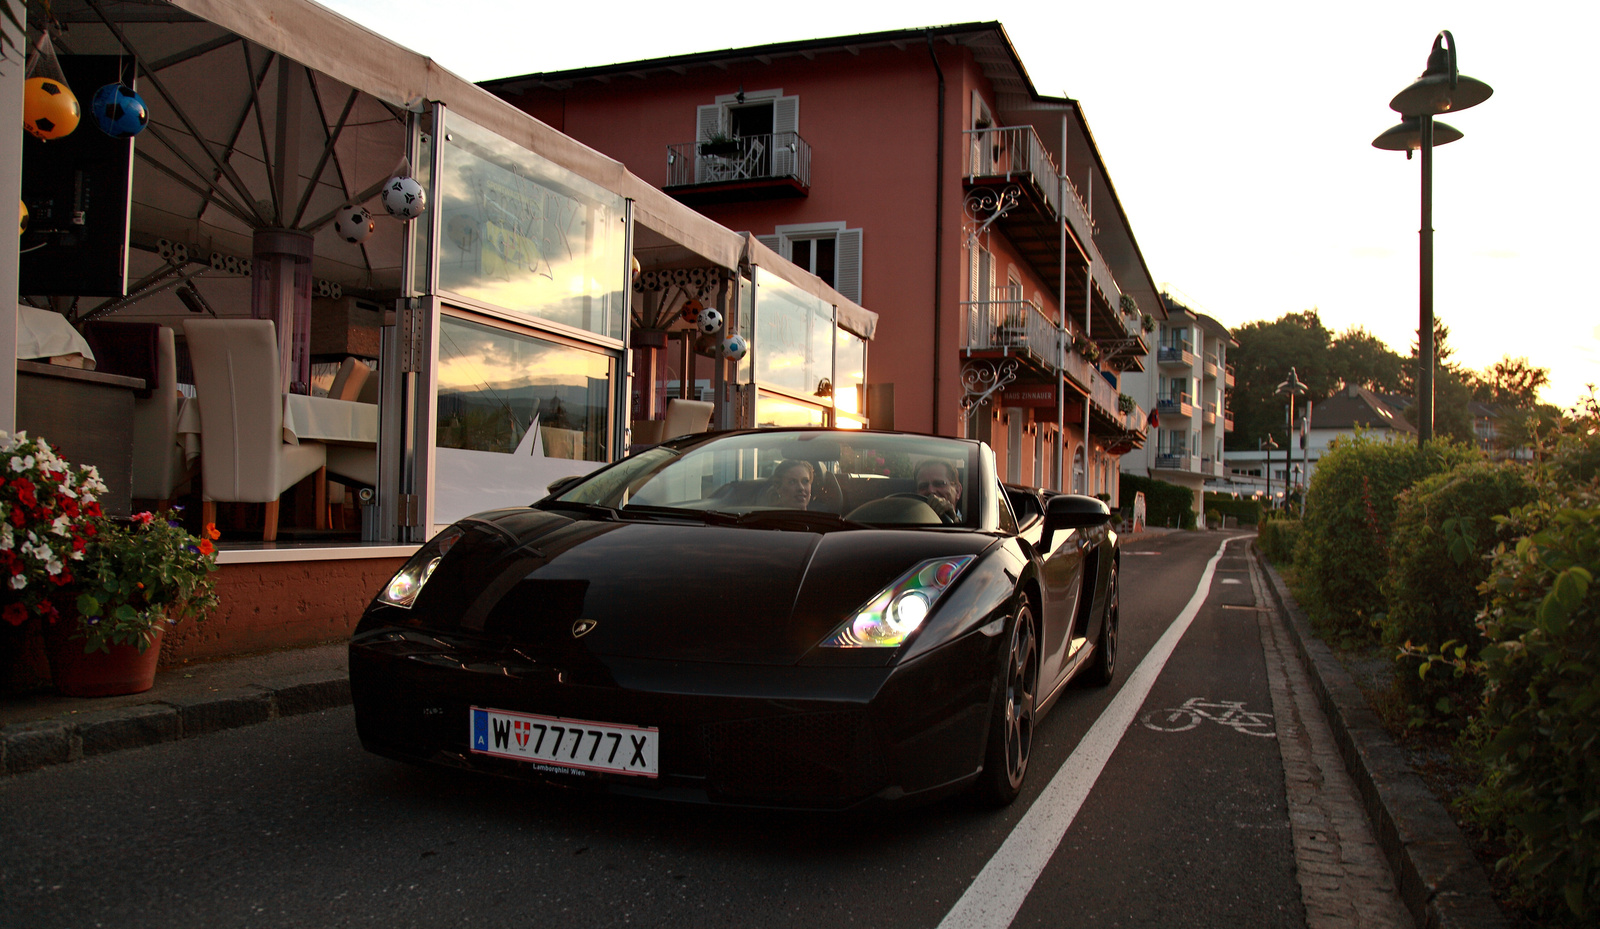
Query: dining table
{"x": 305, "y": 417}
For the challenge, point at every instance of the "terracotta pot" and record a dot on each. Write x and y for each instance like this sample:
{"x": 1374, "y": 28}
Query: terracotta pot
{"x": 123, "y": 670}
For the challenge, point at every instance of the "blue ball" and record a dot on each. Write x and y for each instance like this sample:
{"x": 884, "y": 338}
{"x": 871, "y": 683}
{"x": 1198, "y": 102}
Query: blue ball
{"x": 118, "y": 111}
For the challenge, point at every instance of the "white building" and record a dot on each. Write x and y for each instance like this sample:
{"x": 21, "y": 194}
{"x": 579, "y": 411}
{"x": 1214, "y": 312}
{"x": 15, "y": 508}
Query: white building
{"x": 1185, "y": 385}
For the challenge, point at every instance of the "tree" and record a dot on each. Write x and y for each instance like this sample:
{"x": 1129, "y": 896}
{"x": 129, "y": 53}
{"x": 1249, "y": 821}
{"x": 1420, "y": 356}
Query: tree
{"x": 1452, "y": 390}
{"x": 1511, "y": 381}
{"x": 1364, "y": 360}
{"x": 1266, "y": 352}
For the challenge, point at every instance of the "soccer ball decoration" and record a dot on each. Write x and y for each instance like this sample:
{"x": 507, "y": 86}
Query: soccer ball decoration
{"x": 403, "y": 198}
{"x": 354, "y": 224}
{"x": 49, "y": 110}
{"x": 735, "y": 347}
{"x": 710, "y": 321}
{"x": 692, "y": 310}
{"x": 118, "y": 111}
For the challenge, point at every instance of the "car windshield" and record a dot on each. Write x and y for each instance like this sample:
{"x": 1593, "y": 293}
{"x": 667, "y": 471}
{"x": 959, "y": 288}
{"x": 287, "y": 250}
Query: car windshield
{"x": 870, "y": 478}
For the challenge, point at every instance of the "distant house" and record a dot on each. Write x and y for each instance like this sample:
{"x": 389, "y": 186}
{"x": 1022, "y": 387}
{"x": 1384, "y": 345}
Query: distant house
{"x": 1351, "y": 409}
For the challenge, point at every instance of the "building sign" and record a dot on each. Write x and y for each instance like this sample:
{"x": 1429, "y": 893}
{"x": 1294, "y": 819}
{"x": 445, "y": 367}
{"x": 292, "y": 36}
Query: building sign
{"x": 1029, "y": 395}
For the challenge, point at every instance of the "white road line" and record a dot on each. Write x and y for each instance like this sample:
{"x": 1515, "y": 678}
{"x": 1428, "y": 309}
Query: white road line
{"x": 994, "y": 897}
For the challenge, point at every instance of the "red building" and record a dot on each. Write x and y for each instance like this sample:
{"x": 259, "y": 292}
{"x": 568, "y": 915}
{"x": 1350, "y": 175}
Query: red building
{"x": 920, "y": 173}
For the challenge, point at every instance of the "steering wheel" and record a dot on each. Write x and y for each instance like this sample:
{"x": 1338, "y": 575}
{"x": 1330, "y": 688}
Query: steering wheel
{"x": 948, "y": 518}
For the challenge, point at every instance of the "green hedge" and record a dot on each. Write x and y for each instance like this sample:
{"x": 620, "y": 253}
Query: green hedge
{"x": 1541, "y": 710}
{"x": 1164, "y": 504}
{"x": 1245, "y": 511}
{"x": 1443, "y": 534}
{"x": 1344, "y": 544}
{"x": 1277, "y": 539}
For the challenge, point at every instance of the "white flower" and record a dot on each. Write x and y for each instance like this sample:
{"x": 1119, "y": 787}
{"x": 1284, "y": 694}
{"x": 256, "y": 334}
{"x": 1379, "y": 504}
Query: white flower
{"x": 18, "y": 582}
{"x": 8, "y": 537}
{"x": 53, "y": 566}
{"x": 66, "y": 489}
{"x": 61, "y": 525}
{"x": 18, "y": 465}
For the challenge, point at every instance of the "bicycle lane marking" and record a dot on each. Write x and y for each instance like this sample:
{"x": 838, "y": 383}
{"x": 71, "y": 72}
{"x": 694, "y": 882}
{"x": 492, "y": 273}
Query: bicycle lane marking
{"x": 995, "y": 895}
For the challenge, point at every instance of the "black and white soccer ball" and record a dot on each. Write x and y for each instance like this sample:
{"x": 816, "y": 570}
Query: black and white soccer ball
{"x": 403, "y": 198}
{"x": 710, "y": 321}
{"x": 354, "y": 224}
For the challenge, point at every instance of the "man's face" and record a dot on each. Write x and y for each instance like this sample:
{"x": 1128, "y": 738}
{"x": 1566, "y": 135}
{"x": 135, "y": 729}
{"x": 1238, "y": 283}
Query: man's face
{"x": 794, "y": 488}
{"x": 935, "y": 481}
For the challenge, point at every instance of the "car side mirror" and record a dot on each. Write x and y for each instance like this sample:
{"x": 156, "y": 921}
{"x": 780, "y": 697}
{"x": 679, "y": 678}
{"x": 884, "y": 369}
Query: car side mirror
{"x": 561, "y": 484}
{"x": 1073, "y": 511}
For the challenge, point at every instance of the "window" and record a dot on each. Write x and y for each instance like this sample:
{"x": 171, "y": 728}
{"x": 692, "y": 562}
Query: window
{"x": 766, "y": 125}
{"x": 828, "y": 250}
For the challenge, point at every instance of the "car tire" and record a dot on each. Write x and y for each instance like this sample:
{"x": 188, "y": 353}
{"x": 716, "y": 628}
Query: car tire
{"x": 1103, "y": 668}
{"x": 1005, "y": 760}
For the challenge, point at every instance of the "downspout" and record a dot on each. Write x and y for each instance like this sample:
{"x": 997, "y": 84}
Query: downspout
{"x": 938, "y": 236}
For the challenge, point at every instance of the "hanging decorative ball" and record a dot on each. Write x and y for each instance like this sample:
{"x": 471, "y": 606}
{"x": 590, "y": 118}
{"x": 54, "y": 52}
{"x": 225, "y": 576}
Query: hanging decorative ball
{"x": 634, "y": 267}
{"x": 354, "y": 224}
{"x": 691, "y": 311}
{"x": 710, "y": 321}
{"x": 403, "y": 198}
{"x": 24, "y": 223}
{"x": 735, "y": 347}
{"x": 118, "y": 111}
{"x": 49, "y": 110}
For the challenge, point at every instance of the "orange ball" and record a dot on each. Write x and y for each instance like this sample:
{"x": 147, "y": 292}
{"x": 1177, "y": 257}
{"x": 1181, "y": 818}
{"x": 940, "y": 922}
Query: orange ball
{"x": 49, "y": 109}
{"x": 24, "y": 223}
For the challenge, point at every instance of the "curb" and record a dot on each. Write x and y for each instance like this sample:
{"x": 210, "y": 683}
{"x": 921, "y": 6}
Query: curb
{"x": 1439, "y": 878}
{"x": 32, "y": 745}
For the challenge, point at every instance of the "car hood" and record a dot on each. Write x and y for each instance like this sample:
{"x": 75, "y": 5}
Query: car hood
{"x": 669, "y": 590}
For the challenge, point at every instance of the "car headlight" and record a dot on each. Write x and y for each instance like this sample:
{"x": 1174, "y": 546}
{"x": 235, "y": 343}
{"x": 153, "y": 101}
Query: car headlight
{"x": 403, "y": 588}
{"x": 886, "y": 620}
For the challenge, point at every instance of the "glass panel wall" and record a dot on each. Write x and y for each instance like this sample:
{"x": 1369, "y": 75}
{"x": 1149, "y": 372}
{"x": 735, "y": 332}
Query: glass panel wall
{"x": 794, "y": 333}
{"x": 526, "y": 235}
{"x": 849, "y": 372}
{"x": 493, "y": 384}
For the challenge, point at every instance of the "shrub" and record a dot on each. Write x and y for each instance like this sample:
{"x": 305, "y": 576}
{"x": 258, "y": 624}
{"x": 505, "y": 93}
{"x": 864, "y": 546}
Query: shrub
{"x": 1344, "y": 544}
{"x": 1165, "y": 504}
{"x": 1444, "y": 532}
{"x": 1277, "y": 539}
{"x": 1541, "y": 713}
{"x": 1246, "y": 511}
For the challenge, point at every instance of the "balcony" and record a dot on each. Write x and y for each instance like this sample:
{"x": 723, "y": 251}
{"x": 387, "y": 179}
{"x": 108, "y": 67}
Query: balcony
{"x": 1210, "y": 417}
{"x": 1007, "y": 155}
{"x": 1227, "y": 381}
{"x": 1211, "y": 368}
{"x": 1176, "y": 405}
{"x": 757, "y": 167}
{"x": 1175, "y": 355}
{"x": 1174, "y": 461}
{"x": 1227, "y": 422}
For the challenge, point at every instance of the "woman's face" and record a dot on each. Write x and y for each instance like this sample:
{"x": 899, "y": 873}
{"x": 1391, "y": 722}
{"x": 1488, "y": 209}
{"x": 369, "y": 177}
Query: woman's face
{"x": 794, "y": 487}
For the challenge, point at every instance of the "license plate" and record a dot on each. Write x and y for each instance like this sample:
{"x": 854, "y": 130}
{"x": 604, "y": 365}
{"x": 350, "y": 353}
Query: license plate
{"x": 572, "y": 744}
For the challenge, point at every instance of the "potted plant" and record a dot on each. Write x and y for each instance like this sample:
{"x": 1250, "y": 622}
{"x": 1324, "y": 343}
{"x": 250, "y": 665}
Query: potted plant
{"x": 1125, "y": 403}
{"x": 104, "y": 589}
{"x": 719, "y": 143}
{"x": 1147, "y": 322}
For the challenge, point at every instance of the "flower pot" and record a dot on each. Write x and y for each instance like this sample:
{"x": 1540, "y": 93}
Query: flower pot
{"x": 123, "y": 670}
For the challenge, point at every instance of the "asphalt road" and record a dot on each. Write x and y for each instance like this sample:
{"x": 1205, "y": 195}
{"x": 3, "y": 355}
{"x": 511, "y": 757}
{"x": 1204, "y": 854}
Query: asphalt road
{"x": 1179, "y": 822}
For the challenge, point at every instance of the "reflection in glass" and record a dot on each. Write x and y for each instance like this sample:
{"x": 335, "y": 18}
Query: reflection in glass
{"x": 525, "y": 234}
{"x": 779, "y": 411}
{"x": 849, "y": 371}
{"x": 492, "y": 384}
{"x": 793, "y": 345}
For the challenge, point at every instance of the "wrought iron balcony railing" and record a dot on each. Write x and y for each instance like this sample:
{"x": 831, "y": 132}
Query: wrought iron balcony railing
{"x": 779, "y": 155}
{"x": 1012, "y": 325}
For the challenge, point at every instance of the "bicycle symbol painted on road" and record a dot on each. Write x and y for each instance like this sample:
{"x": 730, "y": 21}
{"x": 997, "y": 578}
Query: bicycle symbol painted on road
{"x": 1227, "y": 713}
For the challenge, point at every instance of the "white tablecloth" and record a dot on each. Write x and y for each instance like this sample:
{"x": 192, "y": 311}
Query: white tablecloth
{"x": 46, "y": 334}
{"x": 339, "y": 422}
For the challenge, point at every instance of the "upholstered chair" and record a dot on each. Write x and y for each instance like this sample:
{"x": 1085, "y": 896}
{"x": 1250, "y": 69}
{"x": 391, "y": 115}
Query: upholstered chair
{"x": 243, "y": 457}
{"x": 685, "y": 417}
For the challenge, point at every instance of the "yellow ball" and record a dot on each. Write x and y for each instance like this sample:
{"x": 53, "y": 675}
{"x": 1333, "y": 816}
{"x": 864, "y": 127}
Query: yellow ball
{"x": 24, "y": 223}
{"x": 49, "y": 109}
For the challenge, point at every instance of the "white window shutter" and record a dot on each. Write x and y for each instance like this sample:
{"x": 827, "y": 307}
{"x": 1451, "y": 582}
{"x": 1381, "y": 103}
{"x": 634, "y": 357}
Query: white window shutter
{"x": 708, "y": 123}
{"x": 774, "y": 242}
{"x": 847, "y": 265}
{"x": 785, "y": 119}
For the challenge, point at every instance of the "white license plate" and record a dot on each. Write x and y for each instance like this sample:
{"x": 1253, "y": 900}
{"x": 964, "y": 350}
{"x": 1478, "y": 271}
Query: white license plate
{"x": 574, "y": 744}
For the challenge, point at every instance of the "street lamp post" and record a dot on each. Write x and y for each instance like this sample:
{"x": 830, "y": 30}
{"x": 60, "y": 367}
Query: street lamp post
{"x": 1440, "y": 89}
{"x": 1293, "y": 387}
{"x": 1269, "y": 443}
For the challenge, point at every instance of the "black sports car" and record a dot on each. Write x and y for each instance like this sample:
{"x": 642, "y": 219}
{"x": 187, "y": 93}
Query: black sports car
{"x": 777, "y": 618}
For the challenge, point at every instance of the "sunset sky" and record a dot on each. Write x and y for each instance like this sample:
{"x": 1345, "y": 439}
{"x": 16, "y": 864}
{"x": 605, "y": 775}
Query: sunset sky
{"x": 1238, "y": 138}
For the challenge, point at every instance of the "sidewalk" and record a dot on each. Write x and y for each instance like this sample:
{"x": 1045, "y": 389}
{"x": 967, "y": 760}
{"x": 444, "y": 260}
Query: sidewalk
{"x": 186, "y": 701}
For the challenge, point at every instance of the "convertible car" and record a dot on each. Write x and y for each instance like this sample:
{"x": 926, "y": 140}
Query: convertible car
{"x": 774, "y": 618}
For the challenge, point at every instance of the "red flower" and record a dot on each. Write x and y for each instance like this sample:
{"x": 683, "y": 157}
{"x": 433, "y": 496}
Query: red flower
{"x": 206, "y": 547}
{"x": 25, "y": 492}
{"x": 18, "y": 517}
{"x": 92, "y": 508}
{"x": 143, "y": 518}
{"x": 15, "y": 613}
{"x": 212, "y": 532}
